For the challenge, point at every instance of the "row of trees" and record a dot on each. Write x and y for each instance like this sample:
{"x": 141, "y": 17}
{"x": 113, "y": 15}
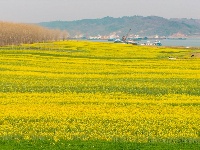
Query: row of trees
{"x": 16, "y": 33}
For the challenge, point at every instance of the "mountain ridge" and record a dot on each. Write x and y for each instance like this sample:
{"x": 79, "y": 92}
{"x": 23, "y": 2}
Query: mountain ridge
{"x": 139, "y": 25}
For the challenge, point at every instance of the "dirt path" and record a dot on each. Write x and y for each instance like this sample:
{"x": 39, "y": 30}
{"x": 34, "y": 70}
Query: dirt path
{"x": 195, "y": 55}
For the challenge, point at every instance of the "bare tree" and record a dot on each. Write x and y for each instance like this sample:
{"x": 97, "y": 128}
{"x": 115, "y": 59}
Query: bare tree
{"x": 15, "y": 34}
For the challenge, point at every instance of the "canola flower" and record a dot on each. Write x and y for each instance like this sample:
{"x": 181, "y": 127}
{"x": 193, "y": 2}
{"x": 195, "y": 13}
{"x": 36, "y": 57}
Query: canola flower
{"x": 99, "y": 91}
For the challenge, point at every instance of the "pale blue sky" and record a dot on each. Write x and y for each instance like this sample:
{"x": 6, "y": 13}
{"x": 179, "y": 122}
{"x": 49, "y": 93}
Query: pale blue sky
{"x": 34, "y": 11}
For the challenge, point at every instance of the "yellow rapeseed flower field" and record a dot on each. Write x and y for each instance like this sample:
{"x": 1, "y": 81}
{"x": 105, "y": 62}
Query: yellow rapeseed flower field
{"x": 75, "y": 90}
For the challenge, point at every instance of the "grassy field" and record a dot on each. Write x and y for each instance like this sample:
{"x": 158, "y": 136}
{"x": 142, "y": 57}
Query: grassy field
{"x": 90, "y": 95}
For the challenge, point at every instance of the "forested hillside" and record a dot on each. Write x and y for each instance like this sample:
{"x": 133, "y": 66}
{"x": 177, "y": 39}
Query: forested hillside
{"x": 144, "y": 26}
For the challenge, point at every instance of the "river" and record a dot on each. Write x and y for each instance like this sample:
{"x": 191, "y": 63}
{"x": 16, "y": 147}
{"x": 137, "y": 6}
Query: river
{"x": 186, "y": 43}
{"x": 190, "y": 42}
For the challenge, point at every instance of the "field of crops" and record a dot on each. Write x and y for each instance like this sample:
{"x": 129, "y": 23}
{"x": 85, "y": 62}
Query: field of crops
{"x": 90, "y": 95}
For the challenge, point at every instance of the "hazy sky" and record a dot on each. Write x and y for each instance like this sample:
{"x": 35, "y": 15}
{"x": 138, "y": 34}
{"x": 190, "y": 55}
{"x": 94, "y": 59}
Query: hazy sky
{"x": 34, "y": 11}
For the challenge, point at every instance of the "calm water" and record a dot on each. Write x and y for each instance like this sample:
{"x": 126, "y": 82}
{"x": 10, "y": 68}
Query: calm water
{"x": 185, "y": 43}
{"x": 169, "y": 42}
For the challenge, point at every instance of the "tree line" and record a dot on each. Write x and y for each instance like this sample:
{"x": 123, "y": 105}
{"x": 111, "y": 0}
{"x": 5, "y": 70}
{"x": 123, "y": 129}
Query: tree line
{"x": 18, "y": 33}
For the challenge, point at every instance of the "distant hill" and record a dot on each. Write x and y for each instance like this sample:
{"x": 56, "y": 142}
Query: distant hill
{"x": 143, "y": 26}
